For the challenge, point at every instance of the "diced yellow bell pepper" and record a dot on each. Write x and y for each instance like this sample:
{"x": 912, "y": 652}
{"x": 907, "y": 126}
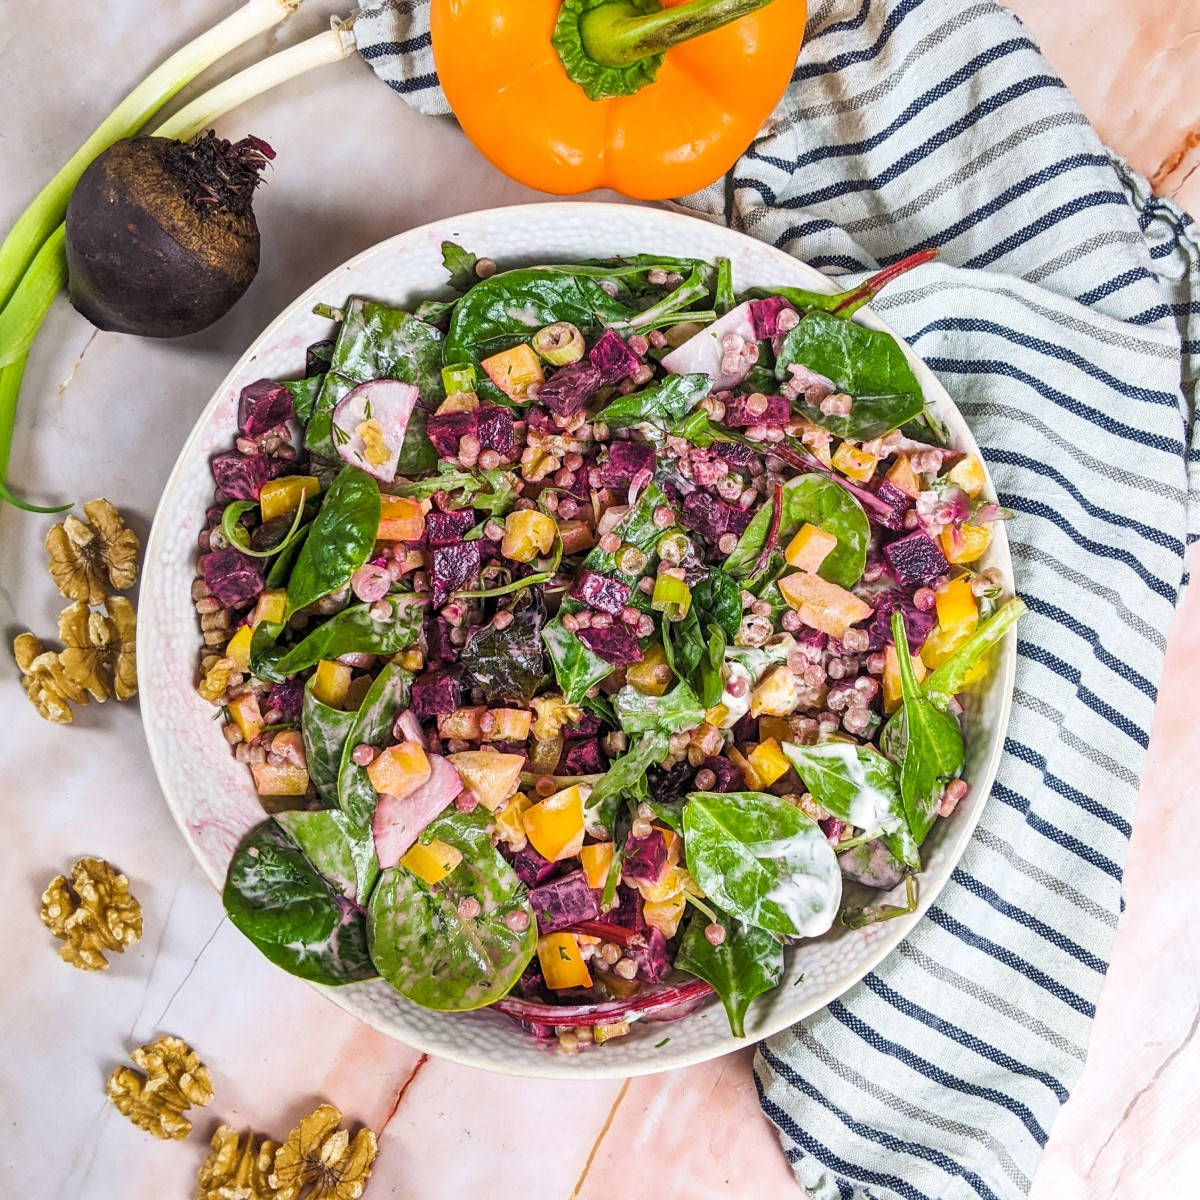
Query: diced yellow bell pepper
{"x": 777, "y": 693}
{"x": 509, "y": 826}
{"x": 562, "y": 964}
{"x": 854, "y": 462}
{"x": 555, "y": 826}
{"x": 956, "y": 604}
{"x": 968, "y": 475}
{"x": 509, "y": 724}
{"x": 901, "y": 475}
{"x": 942, "y": 643}
{"x": 432, "y": 862}
{"x": 810, "y": 547}
{"x": 966, "y": 543}
{"x": 281, "y": 497}
{"x": 674, "y": 882}
{"x": 402, "y": 519}
{"x": 331, "y": 684}
{"x": 245, "y": 714}
{"x": 774, "y": 727}
{"x": 891, "y": 677}
{"x": 492, "y": 776}
{"x": 823, "y": 605}
{"x": 768, "y": 762}
{"x": 753, "y": 782}
{"x": 239, "y": 647}
{"x": 596, "y": 860}
{"x": 652, "y": 675}
{"x": 399, "y": 769}
{"x": 664, "y": 915}
{"x": 527, "y": 533}
{"x": 283, "y": 779}
{"x": 270, "y": 607}
{"x": 717, "y": 716}
{"x": 512, "y": 371}
{"x": 674, "y": 844}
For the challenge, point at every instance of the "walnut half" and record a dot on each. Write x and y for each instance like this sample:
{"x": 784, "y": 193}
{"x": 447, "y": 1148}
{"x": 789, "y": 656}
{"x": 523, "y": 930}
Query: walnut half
{"x": 320, "y": 1161}
{"x": 173, "y": 1080}
{"x": 90, "y": 558}
{"x": 92, "y": 914}
{"x": 45, "y": 681}
{"x": 237, "y": 1169}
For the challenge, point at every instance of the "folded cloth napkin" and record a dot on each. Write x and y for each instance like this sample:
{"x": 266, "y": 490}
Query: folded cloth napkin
{"x": 1068, "y": 331}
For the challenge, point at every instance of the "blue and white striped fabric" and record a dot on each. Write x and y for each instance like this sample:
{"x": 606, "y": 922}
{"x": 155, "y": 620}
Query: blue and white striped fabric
{"x": 1068, "y": 330}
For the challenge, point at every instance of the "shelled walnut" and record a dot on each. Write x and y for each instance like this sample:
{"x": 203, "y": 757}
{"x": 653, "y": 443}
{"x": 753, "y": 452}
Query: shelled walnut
{"x": 88, "y": 559}
{"x": 172, "y": 1080}
{"x": 237, "y": 1168}
{"x": 93, "y": 913}
{"x": 320, "y": 1161}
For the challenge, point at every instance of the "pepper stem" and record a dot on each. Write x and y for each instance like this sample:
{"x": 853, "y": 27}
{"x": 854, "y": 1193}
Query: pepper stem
{"x": 619, "y": 33}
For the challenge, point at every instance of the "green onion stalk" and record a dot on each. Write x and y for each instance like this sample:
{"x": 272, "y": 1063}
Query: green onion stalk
{"x": 34, "y": 253}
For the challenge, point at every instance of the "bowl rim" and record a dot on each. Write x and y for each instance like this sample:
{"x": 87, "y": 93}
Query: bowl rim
{"x": 779, "y": 1017}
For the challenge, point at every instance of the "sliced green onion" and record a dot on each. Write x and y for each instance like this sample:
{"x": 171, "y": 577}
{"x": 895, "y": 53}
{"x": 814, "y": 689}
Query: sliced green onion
{"x": 673, "y": 548}
{"x": 630, "y": 560}
{"x": 672, "y": 597}
{"x": 559, "y": 344}
{"x": 458, "y": 378}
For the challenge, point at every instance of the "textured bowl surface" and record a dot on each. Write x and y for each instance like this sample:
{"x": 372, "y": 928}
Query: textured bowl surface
{"x": 211, "y": 795}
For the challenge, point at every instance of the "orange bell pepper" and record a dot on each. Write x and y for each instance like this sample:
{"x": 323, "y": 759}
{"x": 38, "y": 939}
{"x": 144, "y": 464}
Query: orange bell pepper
{"x": 570, "y": 95}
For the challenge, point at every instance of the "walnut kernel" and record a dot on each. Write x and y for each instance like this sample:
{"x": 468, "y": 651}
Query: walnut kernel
{"x": 173, "y": 1080}
{"x": 237, "y": 1169}
{"x": 44, "y": 680}
{"x": 320, "y": 1161}
{"x": 92, "y": 914}
{"x": 90, "y": 558}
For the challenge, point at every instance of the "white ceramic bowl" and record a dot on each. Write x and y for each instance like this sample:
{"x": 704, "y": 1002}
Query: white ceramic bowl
{"x": 211, "y": 795}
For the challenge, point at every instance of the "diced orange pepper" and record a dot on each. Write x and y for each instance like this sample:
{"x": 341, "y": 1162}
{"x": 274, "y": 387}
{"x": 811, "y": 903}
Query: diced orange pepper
{"x": 286, "y": 779}
{"x": 811, "y": 546}
{"x": 891, "y": 677}
{"x": 561, "y": 962}
{"x": 664, "y": 915}
{"x": 966, "y": 543}
{"x": 901, "y": 475}
{"x": 281, "y": 497}
{"x": 331, "y": 684}
{"x": 402, "y": 519}
{"x": 674, "y": 844}
{"x": 956, "y": 604}
{"x": 399, "y": 769}
{"x": 239, "y": 647}
{"x": 432, "y": 862}
{"x": 270, "y": 607}
{"x": 823, "y": 605}
{"x": 768, "y": 762}
{"x": 854, "y": 462}
{"x": 512, "y": 371}
{"x": 596, "y": 860}
{"x": 753, "y": 782}
{"x": 245, "y": 714}
{"x": 968, "y": 474}
{"x": 555, "y": 826}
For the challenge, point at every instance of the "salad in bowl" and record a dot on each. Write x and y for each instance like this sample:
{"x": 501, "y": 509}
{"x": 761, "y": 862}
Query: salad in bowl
{"x": 591, "y": 635}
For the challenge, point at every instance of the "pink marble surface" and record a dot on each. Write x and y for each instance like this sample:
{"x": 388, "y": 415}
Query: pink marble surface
{"x": 107, "y": 416}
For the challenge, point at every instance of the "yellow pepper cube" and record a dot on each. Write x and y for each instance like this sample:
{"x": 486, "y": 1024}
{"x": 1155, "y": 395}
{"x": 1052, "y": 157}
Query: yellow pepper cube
{"x": 901, "y": 475}
{"x": 956, "y": 604}
{"x": 401, "y": 519}
{"x": 777, "y": 693}
{"x": 561, "y": 962}
{"x": 458, "y": 402}
{"x": 270, "y": 607}
{"x": 239, "y": 647}
{"x": 811, "y": 546}
{"x": 284, "y": 779}
{"x": 509, "y": 824}
{"x": 245, "y": 714}
{"x": 664, "y": 915}
{"x": 512, "y": 371}
{"x": 774, "y": 727}
{"x": 281, "y": 497}
{"x": 432, "y": 862}
{"x": 968, "y": 475}
{"x": 331, "y": 684}
{"x": 527, "y": 533}
{"x": 823, "y": 605}
{"x": 652, "y": 675}
{"x": 596, "y": 860}
{"x": 942, "y": 643}
{"x": 891, "y": 677}
{"x": 717, "y": 716}
{"x": 462, "y": 723}
{"x": 555, "y": 826}
{"x": 854, "y": 462}
{"x": 674, "y": 844}
{"x": 966, "y": 543}
{"x": 768, "y": 761}
{"x": 399, "y": 770}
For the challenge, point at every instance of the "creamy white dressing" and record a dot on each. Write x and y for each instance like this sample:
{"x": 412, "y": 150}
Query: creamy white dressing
{"x": 870, "y": 809}
{"x": 736, "y": 706}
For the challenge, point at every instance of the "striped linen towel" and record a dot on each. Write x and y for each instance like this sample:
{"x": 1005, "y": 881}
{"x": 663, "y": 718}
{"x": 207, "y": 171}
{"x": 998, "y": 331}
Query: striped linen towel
{"x": 1068, "y": 331}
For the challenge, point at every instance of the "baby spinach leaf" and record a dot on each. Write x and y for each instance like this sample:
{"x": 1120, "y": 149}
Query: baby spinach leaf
{"x": 763, "y": 861}
{"x": 933, "y": 750}
{"x": 712, "y": 681}
{"x": 427, "y": 950}
{"x": 339, "y": 540}
{"x": 297, "y": 918}
{"x": 950, "y": 678}
{"x": 816, "y": 500}
{"x": 343, "y": 852}
{"x": 665, "y": 402}
{"x": 672, "y": 308}
{"x": 325, "y": 730}
{"x": 623, "y": 778}
{"x": 377, "y": 342}
{"x": 747, "y": 963}
{"x": 717, "y": 599}
{"x": 356, "y": 631}
{"x": 726, "y": 299}
{"x": 281, "y": 568}
{"x": 509, "y": 663}
{"x": 265, "y": 652}
{"x": 304, "y": 393}
{"x": 683, "y": 644}
{"x": 493, "y": 490}
{"x": 460, "y": 266}
{"x": 576, "y": 668}
{"x": 672, "y": 713}
{"x": 373, "y": 727}
{"x": 865, "y": 363}
{"x": 857, "y": 785}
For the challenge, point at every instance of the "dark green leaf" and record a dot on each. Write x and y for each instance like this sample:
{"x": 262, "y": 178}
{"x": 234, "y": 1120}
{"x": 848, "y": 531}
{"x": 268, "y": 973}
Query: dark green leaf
{"x": 460, "y": 266}
{"x": 717, "y": 599}
{"x": 356, "y": 631}
{"x": 304, "y": 393}
{"x": 661, "y": 404}
{"x": 683, "y": 644}
{"x": 509, "y": 663}
{"x": 950, "y": 678}
{"x": 712, "y": 682}
{"x": 343, "y": 852}
{"x": 265, "y": 652}
{"x": 726, "y": 299}
{"x": 623, "y": 778}
{"x": 674, "y": 712}
{"x": 325, "y": 731}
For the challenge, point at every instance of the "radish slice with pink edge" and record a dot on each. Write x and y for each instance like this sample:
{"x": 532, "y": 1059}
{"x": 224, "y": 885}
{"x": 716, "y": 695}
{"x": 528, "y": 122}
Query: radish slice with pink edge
{"x": 702, "y": 353}
{"x": 371, "y": 422}
{"x": 409, "y": 728}
{"x": 399, "y": 821}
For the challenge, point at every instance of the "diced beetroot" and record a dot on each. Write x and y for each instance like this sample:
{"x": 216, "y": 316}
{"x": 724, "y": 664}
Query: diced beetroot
{"x": 453, "y": 568}
{"x": 624, "y": 461}
{"x": 286, "y": 698}
{"x": 915, "y": 560}
{"x": 240, "y": 476}
{"x": 613, "y": 358}
{"x": 437, "y": 638}
{"x": 587, "y": 726}
{"x": 917, "y": 623}
{"x": 746, "y": 729}
{"x": 832, "y": 828}
{"x": 806, "y": 636}
{"x": 496, "y": 431}
{"x": 446, "y": 528}
{"x": 538, "y": 419}
{"x": 739, "y": 416}
{"x": 645, "y": 859}
{"x": 569, "y": 388}
{"x": 739, "y": 519}
{"x": 398, "y": 822}
{"x": 435, "y": 693}
{"x": 628, "y": 909}
{"x": 765, "y": 315}
{"x": 897, "y": 501}
{"x": 262, "y": 406}
{"x": 615, "y": 644}
{"x": 563, "y": 902}
{"x": 650, "y": 954}
{"x": 711, "y": 516}
{"x": 734, "y": 453}
{"x": 446, "y": 429}
{"x": 231, "y": 576}
{"x": 531, "y": 867}
{"x": 601, "y": 591}
{"x": 729, "y": 776}
{"x": 583, "y": 757}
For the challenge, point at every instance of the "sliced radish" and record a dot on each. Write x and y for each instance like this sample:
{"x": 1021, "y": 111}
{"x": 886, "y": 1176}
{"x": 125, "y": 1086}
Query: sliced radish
{"x": 370, "y": 423}
{"x": 703, "y": 353}
{"x": 408, "y": 728}
{"x": 399, "y": 822}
